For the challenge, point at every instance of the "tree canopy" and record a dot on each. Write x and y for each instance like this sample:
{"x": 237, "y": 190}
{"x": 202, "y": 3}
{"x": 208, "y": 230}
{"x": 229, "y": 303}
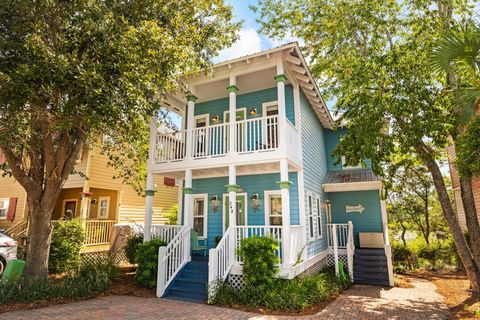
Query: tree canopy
{"x": 72, "y": 72}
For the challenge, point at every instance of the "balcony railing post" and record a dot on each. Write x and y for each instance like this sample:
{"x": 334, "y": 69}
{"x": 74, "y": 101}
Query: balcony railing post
{"x": 190, "y": 125}
{"x": 335, "y": 247}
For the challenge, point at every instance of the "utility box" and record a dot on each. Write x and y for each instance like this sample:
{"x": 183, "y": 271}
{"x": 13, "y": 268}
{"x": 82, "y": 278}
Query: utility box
{"x": 371, "y": 239}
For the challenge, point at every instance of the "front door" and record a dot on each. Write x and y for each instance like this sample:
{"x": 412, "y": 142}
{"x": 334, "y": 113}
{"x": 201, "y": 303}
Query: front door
{"x": 240, "y": 214}
{"x": 240, "y": 115}
{"x": 70, "y": 209}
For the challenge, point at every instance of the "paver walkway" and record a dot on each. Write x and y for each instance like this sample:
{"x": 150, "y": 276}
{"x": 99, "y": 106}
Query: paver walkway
{"x": 359, "y": 302}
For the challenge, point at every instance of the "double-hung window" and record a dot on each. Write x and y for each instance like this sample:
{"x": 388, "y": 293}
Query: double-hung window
{"x": 4, "y": 208}
{"x": 319, "y": 217}
{"x": 275, "y": 210}
{"x": 311, "y": 219}
{"x": 200, "y": 207}
{"x": 103, "y": 207}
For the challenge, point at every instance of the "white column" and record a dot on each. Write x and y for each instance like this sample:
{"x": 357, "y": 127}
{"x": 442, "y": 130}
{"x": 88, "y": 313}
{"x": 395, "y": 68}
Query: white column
{"x": 232, "y": 108}
{"x": 282, "y": 113}
{"x": 335, "y": 248}
{"x": 149, "y": 193}
{"x": 232, "y": 194}
{"x": 188, "y": 205}
{"x": 180, "y": 202}
{"x": 190, "y": 125}
{"x": 285, "y": 193}
{"x": 150, "y": 190}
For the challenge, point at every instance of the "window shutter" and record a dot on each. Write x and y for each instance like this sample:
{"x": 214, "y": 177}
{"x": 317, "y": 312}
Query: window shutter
{"x": 12, "y": 207}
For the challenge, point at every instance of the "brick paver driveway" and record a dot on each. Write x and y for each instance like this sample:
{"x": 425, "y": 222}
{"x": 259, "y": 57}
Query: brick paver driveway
{"x": 359, "y": 302}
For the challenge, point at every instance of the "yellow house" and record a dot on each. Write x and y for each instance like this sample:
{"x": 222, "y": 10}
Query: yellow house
{"x": 101, "y": 200}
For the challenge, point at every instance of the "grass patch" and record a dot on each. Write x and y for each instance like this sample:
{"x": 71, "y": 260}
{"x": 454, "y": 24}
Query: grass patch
{"x": 88, "y": 280}
{"x": 284, "y": 295}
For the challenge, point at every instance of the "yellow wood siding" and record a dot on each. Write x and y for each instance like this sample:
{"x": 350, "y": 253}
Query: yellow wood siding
{"x": 9, "y": 188}
{"x": 77, "y": 180}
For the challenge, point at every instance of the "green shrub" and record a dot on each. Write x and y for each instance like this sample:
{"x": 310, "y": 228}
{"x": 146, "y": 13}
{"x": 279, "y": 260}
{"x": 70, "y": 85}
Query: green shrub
{"x": 404, "y": 259}
{"x": 88, "y": 280}
{"x": 259, "y": 261}
{"x": 147, "y": 260}
{"x": 172, "y": 214}
{"x": 283, "y": 294}
{"x": 131, "y": 246}
{"x": 67, "y": 240}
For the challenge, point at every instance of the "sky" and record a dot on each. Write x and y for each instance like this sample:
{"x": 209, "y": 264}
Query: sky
{"x": 251, "y": 40}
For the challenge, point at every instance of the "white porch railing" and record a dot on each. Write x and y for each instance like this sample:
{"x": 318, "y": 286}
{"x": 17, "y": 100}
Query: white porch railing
{"x": 297, "y": 239}
{"x": 98, "y": 232}
{"x": 275, "y": 232}
{"x": 172, "y": 258}
{"x": 340, "y": 236}
{"x": 210, "y": 141}
{"x": 257, "y": 134}
{"x": 170, "y": 146}
{"x": 165, "y": 232}
{"x": 221, "y": 258}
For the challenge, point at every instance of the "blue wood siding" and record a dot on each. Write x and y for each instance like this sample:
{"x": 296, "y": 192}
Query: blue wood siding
{"x": 250, "y": 184}
{"x": 370, "y": 220}
{"x": 315, "y": 168}
{"x": 248, "y": 100}
{"x": 332, "y": 140}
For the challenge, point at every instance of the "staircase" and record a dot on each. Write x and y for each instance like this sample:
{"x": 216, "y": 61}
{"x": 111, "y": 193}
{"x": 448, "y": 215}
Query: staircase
{"x": 370, "y": 267}
{"x": 191, "y": 282}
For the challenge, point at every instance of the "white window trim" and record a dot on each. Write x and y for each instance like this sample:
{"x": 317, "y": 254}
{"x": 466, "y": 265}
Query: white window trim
{"x": 65, "y": 202}
{"x": 344, "y": 166}
{"x": 200, "y": 116}
{"x": 318, "y": 204}
{"x": 266, "y": 202}
{"x": 99, "y": 204}
{"x": 7, "y": 200}
{"x": 204, "y": 197}
{"x": 265, "y": 105}
{"x": 244, "y": 109}
{"x": 311, "y": 224}
{"x": 240, "y": 194}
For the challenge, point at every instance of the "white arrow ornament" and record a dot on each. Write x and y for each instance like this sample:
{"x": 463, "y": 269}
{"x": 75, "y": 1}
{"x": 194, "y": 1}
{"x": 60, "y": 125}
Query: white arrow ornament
{"x": 358, "y": 208}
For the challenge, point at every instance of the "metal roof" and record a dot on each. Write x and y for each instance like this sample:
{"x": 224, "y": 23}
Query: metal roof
{"x": 350, "y": 176}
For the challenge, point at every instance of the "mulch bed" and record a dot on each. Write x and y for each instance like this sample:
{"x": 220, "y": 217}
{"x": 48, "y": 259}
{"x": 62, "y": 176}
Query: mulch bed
{"x": 123, "y": 285}
{"x": 455, "y": 288}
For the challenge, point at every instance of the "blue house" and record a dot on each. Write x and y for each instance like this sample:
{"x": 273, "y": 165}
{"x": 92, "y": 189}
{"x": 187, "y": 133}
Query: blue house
{"x": 268, "y": 170}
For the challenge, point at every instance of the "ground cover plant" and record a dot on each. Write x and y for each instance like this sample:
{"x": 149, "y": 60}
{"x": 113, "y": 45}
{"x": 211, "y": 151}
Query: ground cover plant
{"x": 264, "y": 289}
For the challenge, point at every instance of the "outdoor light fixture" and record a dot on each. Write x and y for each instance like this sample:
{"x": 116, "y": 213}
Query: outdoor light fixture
{"x": 215, "y": 118}
{"x": 255, "y": 202}
{"x": 215, "y": 202}
{"x": 253, "y": 112}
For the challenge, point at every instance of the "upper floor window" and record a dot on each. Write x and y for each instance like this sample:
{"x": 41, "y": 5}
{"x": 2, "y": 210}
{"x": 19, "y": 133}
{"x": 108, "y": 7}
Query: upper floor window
{"x": 4, "y": 208}
{"x": 270, "y": 108}
{"x": 346, "y": 166}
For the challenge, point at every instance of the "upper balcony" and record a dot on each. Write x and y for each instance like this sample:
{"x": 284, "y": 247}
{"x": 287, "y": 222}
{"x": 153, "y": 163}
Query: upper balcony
{"x": 257, "y": 140}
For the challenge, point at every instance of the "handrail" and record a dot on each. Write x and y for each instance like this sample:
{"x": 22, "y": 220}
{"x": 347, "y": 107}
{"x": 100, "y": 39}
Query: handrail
{"x": 341, "y": 233}
{"x": 172, "y": 258}
{"x": 165, "y": 232}
{"x": 221, "y": 258}
{"x": 17, "y": 229}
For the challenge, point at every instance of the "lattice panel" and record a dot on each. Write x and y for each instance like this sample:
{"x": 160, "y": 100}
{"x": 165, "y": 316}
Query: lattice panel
{"x": 103, "y": 256}
{"x": 236, "y": 281}
{"x": 331, "y": 259}
{"x": 317, "y": 267}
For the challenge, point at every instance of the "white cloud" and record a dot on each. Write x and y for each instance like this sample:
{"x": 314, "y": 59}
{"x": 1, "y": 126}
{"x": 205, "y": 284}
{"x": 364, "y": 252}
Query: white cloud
{"x": 248, "y": 43}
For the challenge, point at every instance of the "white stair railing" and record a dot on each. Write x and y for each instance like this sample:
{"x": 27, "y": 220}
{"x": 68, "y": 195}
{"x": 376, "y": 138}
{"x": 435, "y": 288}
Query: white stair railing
{"x": 350, "y": 249}
{"x": 172, "y": 258}
{"x": 165, "y": 232}
{"x": 221, "y": 259}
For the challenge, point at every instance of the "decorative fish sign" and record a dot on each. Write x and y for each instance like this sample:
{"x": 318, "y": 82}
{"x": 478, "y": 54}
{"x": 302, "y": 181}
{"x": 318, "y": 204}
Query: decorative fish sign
{"x": 358, "y": 208}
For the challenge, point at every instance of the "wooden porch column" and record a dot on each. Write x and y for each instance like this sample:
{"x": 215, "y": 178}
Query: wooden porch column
{"x": 232, "y": 108}
{"x": 190, "y": 125}
{"x": 150, "y": 190}
{"x": 280, "y": 78}
{"x": 149, "y": 193}
{"x": 180, "y": 202}
{"x": 188, "y": 205}
{"x": 232, "y": 189}
{"x": 284, "y": 184}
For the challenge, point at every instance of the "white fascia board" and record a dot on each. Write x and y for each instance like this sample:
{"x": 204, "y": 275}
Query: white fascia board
{"x": 353, "y": 186}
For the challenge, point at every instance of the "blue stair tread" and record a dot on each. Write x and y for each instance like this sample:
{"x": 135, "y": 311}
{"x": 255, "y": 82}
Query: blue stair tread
{"x": 189, "y": 290}
{"x": 187, "y": 279}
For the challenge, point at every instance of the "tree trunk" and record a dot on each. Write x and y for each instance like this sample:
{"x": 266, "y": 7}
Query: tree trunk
{"x": 404, "y": 230}
{"x": 471, "y": 217}
{"x": 427, "y": 218}
{"x": 39, "y": 233}
{"x": 463, "y": 250}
